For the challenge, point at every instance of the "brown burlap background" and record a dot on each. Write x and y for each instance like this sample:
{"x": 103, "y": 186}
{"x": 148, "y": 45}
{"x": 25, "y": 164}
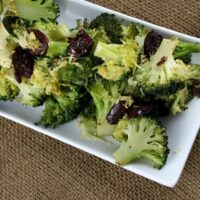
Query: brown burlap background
{"x": 36, "y": 167}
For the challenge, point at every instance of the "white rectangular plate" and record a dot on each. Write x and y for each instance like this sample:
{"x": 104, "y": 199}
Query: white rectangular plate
{"x": 181, "y": 130}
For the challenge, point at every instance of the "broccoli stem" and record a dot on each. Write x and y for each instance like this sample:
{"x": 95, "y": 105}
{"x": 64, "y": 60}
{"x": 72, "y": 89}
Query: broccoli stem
{"x": 184, "y": 49}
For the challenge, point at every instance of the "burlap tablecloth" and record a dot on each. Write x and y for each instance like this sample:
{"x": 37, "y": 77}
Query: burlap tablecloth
{"x": 36, "y": 167}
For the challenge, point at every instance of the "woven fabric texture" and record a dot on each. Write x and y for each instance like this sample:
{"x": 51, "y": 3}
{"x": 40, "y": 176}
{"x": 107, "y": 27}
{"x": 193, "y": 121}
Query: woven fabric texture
{"x": 36, "y": 167}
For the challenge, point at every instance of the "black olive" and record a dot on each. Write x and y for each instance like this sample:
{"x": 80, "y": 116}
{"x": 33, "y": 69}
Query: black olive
{"x": 80, "y": 45}
{"x": 23, "y": 63}
{"x": 117, "y": 112}
{"x": 152, "y": 43}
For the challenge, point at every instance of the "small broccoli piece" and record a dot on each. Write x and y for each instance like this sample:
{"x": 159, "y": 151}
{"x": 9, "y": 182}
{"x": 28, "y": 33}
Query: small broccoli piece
{"x": 31, "y": 91}
{"x": 8, "y": 91}
{"x": 128, "y": 33}
{"x": 105, "y": 94}
{"x": 135, "y": 32}
{"x": 87, "y": 122}
{"x": 110, "y": 24}
{"x": 54, "y": 32}
{"x": 6, "y": 49}
{"x": 88, "y": 127}
{"x": 1, "y": 6}
{"x": 178, "y": 102}
{"x": 52, "y": 114}
{"x": 119, "y": 59}
{"x": 141, "y": 137}
{"x": 184, "y": 51}
{"x": 64, "y": 108}
{"x": 46, "y": 75}
{"x": 98, "y": 35}
{"x": 162, "y": 75}
{"x": 57, "y": 49}
{"x": 46, "y": 10}
{"x": 76, "y": 73}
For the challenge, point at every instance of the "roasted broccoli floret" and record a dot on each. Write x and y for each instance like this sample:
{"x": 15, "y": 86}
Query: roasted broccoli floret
{"x": 98, "y": 35}
{"x": 8, "y": 91}
{"x": 140, "y": 33}
{"x": 105, "y": 94}
{"x": 57, "y": 49}
{"x": 64, "y": 108}
{"x": 1, "y": 6}
{"x": 6, "y": 49}
{"x": 184, "y": 51}
{"x": 162, "y": 75}
{"x": 48, "y": 75}
{"x": 52, "y": 114}
{"x": 110, "y": 24}
{"x": 178, "y": 102}
{"x": 141, "y": 137}
{"x": 88, "y": 123}
{"x": 76, "y": 73}
{"x": 55, "y": 32}
{"x": 119, "y": 59}
{"x": 30, "y": 94}
{"x": 46, "y": 10}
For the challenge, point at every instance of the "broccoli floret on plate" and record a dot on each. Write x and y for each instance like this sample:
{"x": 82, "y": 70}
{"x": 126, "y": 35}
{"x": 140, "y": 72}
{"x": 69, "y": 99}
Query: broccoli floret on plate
{"x": 141, "y": 137}
{"x": 31, "y": 93}
{"x": 119, "y": 59}
{"x": 64, "y": 107}
{"x": 162, "y": 74}
{"x": 184, "y": 51}
{"x": 46, "y": 10}
{"x": 178, "y": 102}
{"x": 8, "y": 91}
{"x": 105, "y": 95}
{"x": 110, "y": 24}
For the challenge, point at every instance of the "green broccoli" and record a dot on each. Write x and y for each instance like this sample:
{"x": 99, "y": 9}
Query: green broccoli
{"x": 104, "y": 95}
{"x": 110, "y": 24}
{"x": 178, "y": 102}
{"x": 52, "y": 114}
{"x": 32, "y": 92}
{"x": 98, "y": 35}
{"x": 55, "y": 38}
{"x": 184, "y": 51}
{"x": 57, "y": 49}
{"x": 162, "y": 75}
{"x": 46, "y": 74}
{"x": 135, "y": 31}
{"x": 8, "y": 91}
{"x": 141, "y": 137}
{"x": 78, "y": 73}
{"x": 88, "y": 127}
{"x": 46, "y": 10}
{"x": 119, "y": 59}
{"x": 1, "y": 6}
{"x": 64, "y": 108}
{"x": 87, "y": 122}
{"x": 54, "y": 32}
{"x": 6, "y": 49}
